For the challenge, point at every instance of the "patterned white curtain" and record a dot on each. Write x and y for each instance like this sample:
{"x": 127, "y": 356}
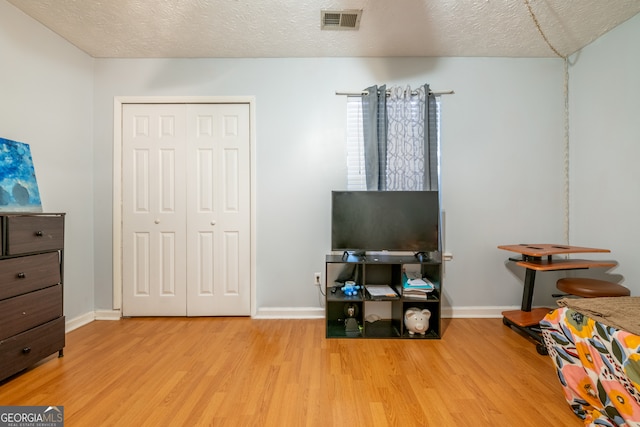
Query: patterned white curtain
{"x": 405, "y": 166}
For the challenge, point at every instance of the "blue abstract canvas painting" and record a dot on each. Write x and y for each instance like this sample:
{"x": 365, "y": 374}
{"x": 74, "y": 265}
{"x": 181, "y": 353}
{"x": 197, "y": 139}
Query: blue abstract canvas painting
{"x": 18, "y": 185}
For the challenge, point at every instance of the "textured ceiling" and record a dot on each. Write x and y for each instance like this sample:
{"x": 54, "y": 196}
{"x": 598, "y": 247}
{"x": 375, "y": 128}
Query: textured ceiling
{"x": 291, "y": 28}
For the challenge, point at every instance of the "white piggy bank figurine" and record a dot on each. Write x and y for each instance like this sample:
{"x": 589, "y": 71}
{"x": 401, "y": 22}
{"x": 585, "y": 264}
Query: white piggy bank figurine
{"x": 417, "y": 320}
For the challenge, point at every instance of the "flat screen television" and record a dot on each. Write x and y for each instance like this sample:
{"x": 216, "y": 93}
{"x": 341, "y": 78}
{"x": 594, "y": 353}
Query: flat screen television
{"x": 402, "y": 221}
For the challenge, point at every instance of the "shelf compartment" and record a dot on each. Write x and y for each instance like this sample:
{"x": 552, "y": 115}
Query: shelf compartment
{"x": 383, "y": 328}
{"x": 336, "y": 329}
{"x": 434, "y": 320}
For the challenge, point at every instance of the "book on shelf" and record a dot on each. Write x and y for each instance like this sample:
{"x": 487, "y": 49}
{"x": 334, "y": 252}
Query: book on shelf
{"x": 419, "y": 283}
{"x": 416, "y": 287}
{"x": 381, "y": 291}
{"x": 421, "y": 294}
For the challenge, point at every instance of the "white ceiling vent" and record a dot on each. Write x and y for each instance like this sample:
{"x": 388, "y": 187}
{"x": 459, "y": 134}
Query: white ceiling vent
{"x": 341, "y": 19}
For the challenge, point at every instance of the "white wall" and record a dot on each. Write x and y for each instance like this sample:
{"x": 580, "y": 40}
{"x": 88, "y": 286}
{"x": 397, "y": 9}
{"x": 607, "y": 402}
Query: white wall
{"x": 502, "y": 159}
{"x": 46, "y": 100}
{"x": 605, "y": 148}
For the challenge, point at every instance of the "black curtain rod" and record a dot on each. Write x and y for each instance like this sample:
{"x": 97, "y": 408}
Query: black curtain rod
{"x": 364, "y": 92}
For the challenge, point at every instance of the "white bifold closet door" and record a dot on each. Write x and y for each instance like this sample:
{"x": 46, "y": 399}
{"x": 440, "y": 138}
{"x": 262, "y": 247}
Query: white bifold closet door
{"x": 186, "y": 209}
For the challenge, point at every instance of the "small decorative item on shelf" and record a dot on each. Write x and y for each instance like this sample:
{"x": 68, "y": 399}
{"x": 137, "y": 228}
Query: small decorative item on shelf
{"x": 417, "y": 320}
{"x": 351, "y": 326}
{"x": 350, "y": 288}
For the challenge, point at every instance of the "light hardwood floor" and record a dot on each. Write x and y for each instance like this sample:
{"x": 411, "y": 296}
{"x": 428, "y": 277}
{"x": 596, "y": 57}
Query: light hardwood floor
{"x": 247, "y": 372}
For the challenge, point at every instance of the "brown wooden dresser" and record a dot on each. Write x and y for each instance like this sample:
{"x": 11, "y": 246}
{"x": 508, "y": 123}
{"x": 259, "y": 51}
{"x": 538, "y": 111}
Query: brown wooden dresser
{"x": 32, "y": 324}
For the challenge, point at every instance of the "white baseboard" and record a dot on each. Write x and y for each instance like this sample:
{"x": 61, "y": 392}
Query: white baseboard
{"x": 302, "y": 313}
{"x": 290, "y": 313}
{"x": 318, "y": 312}
{"x": 87, "y": 318}
{"x": 475, "y": 312}
{"x": 108, "y": 315}
{"x": 76, "y": 322}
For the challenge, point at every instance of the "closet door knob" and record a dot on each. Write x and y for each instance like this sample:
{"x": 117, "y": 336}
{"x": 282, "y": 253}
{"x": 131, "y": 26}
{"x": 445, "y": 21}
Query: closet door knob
{"x": 213, "y": 223}
{"x": 157, "y": 221}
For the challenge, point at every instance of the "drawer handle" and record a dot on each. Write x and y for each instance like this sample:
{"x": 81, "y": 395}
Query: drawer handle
{"x": 26, "y": 350}
{"x": 39, "y": 233}
{"x": 21, "y": 275}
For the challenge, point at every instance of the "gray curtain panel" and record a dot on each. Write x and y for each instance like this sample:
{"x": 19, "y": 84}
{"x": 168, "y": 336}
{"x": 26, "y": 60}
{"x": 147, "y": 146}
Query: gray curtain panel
{"x": 431, "y": 143}
{"x": 374, "y": 131}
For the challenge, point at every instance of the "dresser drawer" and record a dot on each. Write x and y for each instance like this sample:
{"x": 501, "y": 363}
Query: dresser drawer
{"x": 35, "y": 233}
{"x": 27, "y": 311}
{"x": 28, "y": 273}
{"x": 23, "y": 350}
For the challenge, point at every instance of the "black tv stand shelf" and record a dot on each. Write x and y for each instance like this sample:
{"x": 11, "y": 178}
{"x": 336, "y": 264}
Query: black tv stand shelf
{"x": 362, "y": 316}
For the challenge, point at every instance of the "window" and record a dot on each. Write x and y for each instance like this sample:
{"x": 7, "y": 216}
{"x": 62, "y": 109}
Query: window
{"x": 356, "y": 178}
{"x": 355, "y": 145}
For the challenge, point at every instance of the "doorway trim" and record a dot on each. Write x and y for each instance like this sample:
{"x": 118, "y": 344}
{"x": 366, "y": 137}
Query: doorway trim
{"x": 118, "y": 103}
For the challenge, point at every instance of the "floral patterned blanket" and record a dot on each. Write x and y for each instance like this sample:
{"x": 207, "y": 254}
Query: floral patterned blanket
{"x": 597, "y": 365}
